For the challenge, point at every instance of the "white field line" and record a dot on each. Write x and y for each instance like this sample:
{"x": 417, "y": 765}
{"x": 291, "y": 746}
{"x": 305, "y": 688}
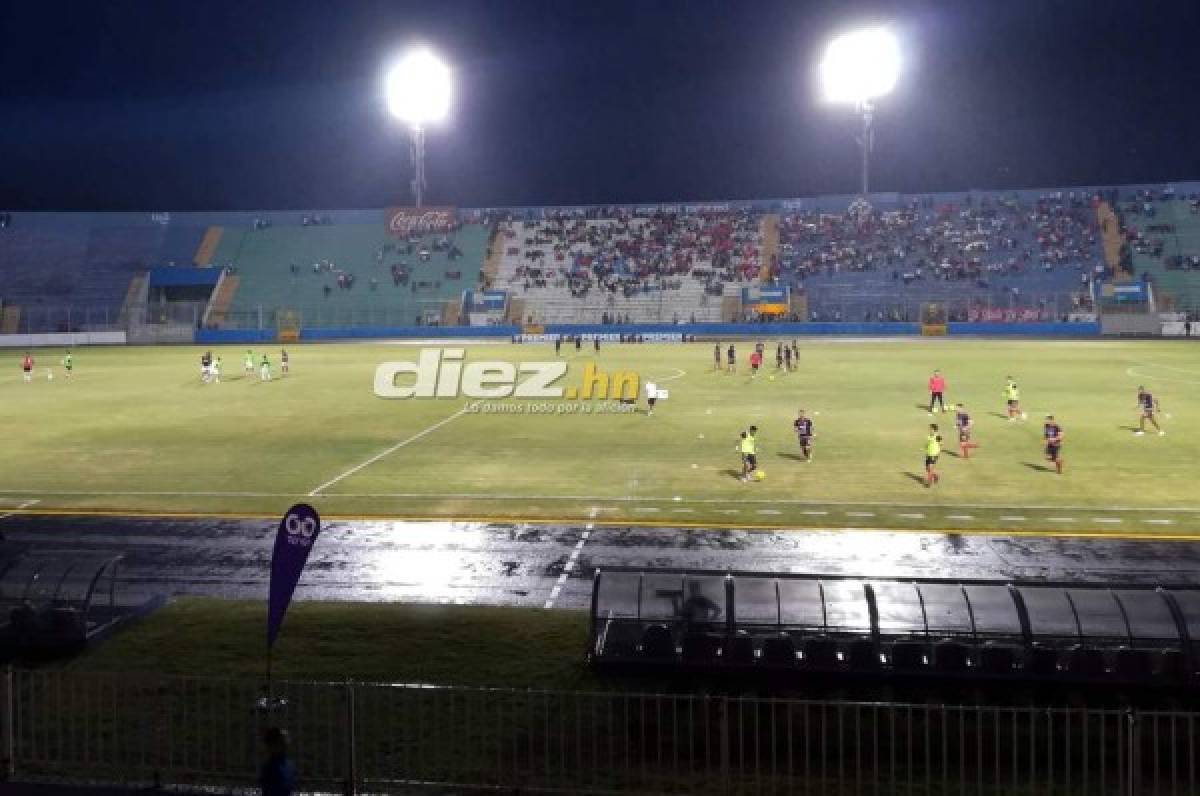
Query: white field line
{"x": 23, "y": 505}
{"x": 679, "y": 374}
{"x": 389, "y": 451}
{"x": 571, "y": 561}
{"x": 1133, "y": 373}
{"x": 581, "y": 498}
{"x": 638, "y": 509}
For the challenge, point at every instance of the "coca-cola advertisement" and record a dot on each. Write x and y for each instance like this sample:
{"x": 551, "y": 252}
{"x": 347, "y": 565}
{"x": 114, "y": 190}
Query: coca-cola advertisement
{"x": 407, "y": 221}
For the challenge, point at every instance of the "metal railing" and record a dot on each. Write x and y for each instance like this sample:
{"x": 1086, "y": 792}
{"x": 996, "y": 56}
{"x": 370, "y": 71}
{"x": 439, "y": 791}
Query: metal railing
{"x": 71, "y": 726}
{"x": 417, "y": 313}
{"x": 850, "y": 306}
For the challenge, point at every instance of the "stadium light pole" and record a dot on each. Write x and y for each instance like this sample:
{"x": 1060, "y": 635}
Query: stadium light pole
{"x": 858, "y": 68}
{"x": 418, "y": 89}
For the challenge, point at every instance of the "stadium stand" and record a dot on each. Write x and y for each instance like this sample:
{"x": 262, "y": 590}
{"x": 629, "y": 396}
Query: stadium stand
{"x": 345, "y": 274}
{"x": 632, "y": 267}
{"x": 53, "y": 263}
{"x": 1023, "y": 256}
{"x": 1164, "y": 240}
{"x": 989, "y": 257}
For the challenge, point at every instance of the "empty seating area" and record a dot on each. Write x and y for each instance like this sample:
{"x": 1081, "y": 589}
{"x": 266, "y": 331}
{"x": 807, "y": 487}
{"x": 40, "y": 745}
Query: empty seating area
{"x": 661, "y": 267}
{"x": 70, "y": 271}
{"x": 334, "y": 274}
{"x": 796, "y": 624}
{"x": 1163, "y": 236}
{"x": 1002, "y": 257}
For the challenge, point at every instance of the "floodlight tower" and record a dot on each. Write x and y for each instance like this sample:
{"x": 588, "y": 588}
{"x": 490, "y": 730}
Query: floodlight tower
{"x": 859, "y": 68}
{"x": 418, "y": 89}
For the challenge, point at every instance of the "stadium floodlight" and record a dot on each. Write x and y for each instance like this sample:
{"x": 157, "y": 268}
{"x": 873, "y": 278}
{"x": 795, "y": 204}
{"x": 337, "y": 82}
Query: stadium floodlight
{"x": 418, "y": 90}
{"x": 860, "y": 67}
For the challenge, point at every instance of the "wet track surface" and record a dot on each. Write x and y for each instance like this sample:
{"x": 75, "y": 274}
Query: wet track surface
{"x": 524, "y": 564}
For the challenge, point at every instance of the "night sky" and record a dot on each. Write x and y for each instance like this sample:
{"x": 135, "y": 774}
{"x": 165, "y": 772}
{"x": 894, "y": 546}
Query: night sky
{"x": 163, "y": 105}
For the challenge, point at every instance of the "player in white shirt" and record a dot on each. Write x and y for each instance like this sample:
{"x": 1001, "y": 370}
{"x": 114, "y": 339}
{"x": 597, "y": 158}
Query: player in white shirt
{"x": 651, "y": 397}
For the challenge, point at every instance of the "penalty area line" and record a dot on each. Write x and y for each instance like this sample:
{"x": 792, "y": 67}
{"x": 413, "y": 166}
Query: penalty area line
{"x": 388, "y": 451}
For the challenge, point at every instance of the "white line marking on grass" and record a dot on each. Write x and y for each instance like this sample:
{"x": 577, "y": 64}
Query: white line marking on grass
{"x": 729, "y": 511}
{"x": 645, "y": 508}
{"x": 1160, "y": 522}
{"x": 1106, "y": 519}
{"x": 24, "y": 505}
{"x": 860, "y": 514}
{"x": 912, "y": 516}
{"x": 1013, "y": 518}
{"x": 571, "y": 561}
{"x": 1061, "y": 519}
{"x": 679, "y": 374}
{"x": 696, "y": 501}
{"x": 683, "y": 511}
{"x": 1132, "y": 372}
{"x": 389, "y": 451}
{"x": 768, "y": 511}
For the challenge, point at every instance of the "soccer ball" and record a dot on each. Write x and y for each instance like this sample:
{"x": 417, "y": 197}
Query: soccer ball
{"x": 759, "y": 475}
{"x": 771, "y": 378}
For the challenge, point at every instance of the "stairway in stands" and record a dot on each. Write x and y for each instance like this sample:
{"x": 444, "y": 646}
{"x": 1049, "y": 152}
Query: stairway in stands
{"x": 1110, "y": 228}
{"x": 222, "y": 298}
{"x": 10, "y": 320}
{"x": 495, "y": 255}
{"x": 136, "y": 295}
{"x": 208, "y": 245}
{"x": 770, "y": 250}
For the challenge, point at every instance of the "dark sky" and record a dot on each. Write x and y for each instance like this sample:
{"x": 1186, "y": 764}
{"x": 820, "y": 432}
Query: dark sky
{"x": 163, "y": 105}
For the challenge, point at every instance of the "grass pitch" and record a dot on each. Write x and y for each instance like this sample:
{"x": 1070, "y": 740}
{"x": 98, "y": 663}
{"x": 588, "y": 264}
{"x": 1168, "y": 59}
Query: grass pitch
{"x": 135, "y": 430}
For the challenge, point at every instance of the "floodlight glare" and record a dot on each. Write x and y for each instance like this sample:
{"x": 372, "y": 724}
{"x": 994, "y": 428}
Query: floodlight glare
{"x": 860, "y": 66}
{"x": 418, "y": 88}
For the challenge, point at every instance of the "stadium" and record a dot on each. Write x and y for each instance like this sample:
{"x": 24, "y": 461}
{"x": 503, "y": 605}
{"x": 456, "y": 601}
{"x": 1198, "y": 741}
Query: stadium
{"x": 871, "y": 492}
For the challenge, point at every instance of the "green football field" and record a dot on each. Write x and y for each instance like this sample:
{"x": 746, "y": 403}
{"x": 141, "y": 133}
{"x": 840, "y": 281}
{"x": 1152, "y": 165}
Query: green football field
{"x": 135, "y": 431}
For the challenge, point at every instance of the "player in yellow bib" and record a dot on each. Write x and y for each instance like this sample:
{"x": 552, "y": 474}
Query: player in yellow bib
{"x": 1012, "y": 395}
{"x": 933, "y": 449}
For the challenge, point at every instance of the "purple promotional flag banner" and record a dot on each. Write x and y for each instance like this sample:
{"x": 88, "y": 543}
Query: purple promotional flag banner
{"x": 294, "y": 541}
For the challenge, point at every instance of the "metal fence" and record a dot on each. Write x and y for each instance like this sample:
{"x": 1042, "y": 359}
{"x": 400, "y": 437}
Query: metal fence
{"x": 71, "y": 726}
{"x": 417, "y": 313}
{"x": 860, "y": 306}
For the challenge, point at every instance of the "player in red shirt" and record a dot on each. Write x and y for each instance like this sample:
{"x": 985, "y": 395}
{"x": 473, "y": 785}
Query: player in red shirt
{"x": 937, "y": 390}
{"x": 27, "y": 367}
{"x": 755, "y": 363}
